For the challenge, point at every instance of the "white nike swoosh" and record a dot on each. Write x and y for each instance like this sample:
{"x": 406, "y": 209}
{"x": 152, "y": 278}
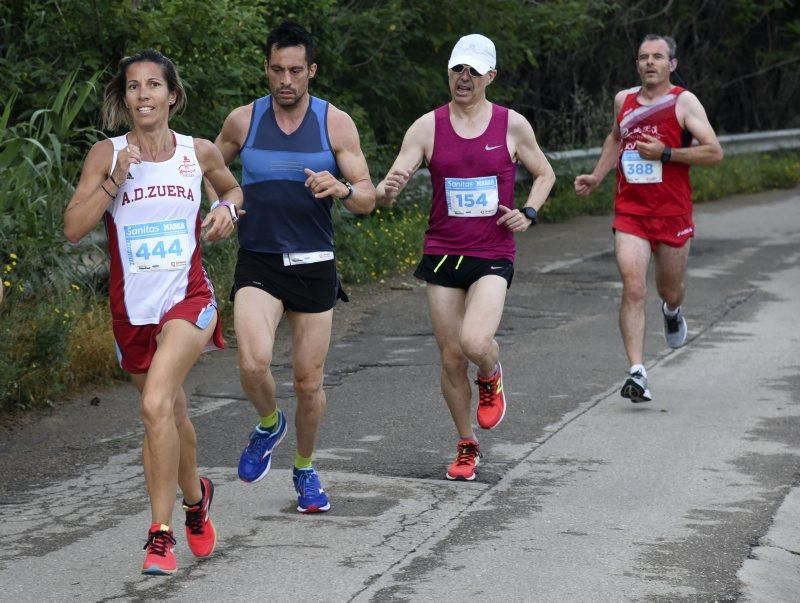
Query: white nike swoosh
{"x": 488, "y": 148}
{"x": 495, "y": 267}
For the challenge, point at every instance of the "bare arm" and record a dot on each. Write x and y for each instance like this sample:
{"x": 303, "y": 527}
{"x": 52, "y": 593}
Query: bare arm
{"x": 522, "y": 143}
{"x": 531, "y": 156}
{"x": 96, "y": 188}
{"x": 417, "y": 144}
{"x": 232, "y": 136}
{"x": 692, "y": 117}
{"x": 230, "y": 140}
{"x": 587, "y": 183}
{"x": 217, "y": 174}
{"x": 708, "y": 151}
{"x": 346, "y": 147}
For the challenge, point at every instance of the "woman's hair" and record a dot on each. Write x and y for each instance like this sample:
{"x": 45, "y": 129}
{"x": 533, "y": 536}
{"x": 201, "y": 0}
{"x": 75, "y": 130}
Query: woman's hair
{"x": 114, "y": 112}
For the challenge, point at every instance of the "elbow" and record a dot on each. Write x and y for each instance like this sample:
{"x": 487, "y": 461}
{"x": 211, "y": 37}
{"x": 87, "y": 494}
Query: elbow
{"x": 372, "y": 202}
{"x": 72, "y": 234}
{"x": 713, "y": 155}
{"x": 548, "y": 179}
{"x": 364, "y": 209}
{"x": 365, "y": 203}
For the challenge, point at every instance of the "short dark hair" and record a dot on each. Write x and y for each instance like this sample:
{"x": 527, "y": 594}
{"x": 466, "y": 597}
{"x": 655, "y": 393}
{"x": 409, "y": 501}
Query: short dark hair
{"x": 290, "y": 33}
{"x": 671, "y": 46}
{"x": 114, "y": 112}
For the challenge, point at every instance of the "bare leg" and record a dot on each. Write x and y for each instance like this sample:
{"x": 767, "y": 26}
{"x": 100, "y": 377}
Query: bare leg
{"x": 484, "y": 309}
{"x": 188, "y": 478}
{"x": 256, "y": 317}
{"x": 311, "y": 336}
{"x": 633, "y": 257}
{"x": 447, "y": 306}
{"x": 180, "y": 344}
{"x": 670, "y": 269}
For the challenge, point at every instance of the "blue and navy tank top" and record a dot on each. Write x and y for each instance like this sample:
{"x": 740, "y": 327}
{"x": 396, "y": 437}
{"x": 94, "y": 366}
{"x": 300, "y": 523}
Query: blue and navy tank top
{"x": 282, "y": 214}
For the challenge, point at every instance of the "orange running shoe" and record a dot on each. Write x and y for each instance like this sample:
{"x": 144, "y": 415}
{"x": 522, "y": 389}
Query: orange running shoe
{"x": 468, "y": 455}
{"x": 491, "y": 400}
{"x": 160, "y": 558}
{"x": 200, "y": 532}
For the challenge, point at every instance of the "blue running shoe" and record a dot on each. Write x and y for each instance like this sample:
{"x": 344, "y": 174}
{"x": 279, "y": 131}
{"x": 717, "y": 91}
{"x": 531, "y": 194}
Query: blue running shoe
{"x": 311, "y": 498}
{"x": 257, "y": 456}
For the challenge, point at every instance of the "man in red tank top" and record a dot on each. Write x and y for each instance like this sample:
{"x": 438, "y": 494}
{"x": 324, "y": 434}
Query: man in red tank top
{"x": 650, "y": 144}
{"x": 471, "y": 147}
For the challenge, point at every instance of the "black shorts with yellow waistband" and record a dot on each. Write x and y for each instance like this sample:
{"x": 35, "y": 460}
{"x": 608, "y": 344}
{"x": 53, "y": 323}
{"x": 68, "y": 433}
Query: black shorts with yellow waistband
{"x": 461, "y": 271}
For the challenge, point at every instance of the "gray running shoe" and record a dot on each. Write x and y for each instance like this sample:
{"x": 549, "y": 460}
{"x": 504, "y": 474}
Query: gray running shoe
{"x": 674, "y": 327}
{"x": 635, "y": 388}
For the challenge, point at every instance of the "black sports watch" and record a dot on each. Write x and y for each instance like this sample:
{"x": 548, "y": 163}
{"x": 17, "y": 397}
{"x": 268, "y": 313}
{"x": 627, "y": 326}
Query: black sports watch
{"x": 349, "y": 192}
{"x": 529, "y": 213}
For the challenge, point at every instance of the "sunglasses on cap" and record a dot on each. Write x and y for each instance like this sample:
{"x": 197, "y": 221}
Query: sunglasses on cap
{"x": 459, "y": 68}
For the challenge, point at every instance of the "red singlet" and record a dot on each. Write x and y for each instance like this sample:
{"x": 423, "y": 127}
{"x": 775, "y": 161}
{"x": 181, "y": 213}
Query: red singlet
{"x": 673, "y": 195}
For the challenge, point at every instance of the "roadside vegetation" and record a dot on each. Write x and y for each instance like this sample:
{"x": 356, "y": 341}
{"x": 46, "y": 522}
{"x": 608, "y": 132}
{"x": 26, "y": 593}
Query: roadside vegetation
{"x": 383, "y": 62}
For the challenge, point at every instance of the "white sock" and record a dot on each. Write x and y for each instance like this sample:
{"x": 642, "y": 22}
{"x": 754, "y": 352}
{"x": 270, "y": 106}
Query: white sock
{"x": 638, "y": 368}
{"x": 670, "y": 313}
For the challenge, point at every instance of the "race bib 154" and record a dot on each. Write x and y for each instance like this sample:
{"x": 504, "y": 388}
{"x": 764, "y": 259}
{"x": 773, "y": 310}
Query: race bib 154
{"x": 471, "y": 197}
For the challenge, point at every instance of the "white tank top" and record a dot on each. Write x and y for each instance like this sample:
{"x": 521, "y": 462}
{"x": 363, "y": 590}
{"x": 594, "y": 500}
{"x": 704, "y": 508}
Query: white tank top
{"x": 153, "y": 229}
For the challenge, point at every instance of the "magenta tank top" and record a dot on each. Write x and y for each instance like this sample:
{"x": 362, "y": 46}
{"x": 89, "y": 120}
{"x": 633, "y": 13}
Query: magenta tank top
{"x": 470, "y": 178}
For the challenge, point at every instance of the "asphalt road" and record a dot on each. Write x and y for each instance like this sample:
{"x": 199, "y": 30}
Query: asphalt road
{"x": 581, "y": 495}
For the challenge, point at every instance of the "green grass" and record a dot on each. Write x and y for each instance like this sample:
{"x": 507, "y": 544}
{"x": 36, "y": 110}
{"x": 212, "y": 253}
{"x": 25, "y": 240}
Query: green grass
{"x": 736, "y": 174}
{"x": 55, "y": 328}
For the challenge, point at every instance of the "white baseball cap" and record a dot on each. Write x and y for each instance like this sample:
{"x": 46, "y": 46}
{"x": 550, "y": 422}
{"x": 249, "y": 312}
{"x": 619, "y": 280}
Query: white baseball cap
{"x": 476, "y": 51}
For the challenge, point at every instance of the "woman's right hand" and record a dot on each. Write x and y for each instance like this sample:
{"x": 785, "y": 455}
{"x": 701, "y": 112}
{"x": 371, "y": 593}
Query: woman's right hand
{"x": 130, "y": 154}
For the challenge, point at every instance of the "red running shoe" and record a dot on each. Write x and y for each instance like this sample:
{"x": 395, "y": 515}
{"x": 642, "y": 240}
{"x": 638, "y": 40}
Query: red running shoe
{"x": 160, "y": 558}
{"x": 200, "y": 532}
{"x": 468, "y": 455}
{"x": 491, "y": 400}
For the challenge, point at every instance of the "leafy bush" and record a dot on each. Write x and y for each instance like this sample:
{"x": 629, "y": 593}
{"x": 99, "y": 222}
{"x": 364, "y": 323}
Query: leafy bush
{"x": 748, "y": 173}
{"x": 39, "y": 164}
{"x": 387, "y": 242}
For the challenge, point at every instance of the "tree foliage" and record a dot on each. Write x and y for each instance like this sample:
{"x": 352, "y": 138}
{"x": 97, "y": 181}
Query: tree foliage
{"x": 560, "y": 62}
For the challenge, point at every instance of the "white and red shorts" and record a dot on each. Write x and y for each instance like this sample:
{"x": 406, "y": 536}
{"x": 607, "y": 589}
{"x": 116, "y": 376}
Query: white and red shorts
{"x": 136, "y": 344}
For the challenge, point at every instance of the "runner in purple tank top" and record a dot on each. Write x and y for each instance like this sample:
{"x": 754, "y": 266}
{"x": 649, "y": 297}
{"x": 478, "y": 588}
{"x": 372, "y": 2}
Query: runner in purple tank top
{"x": 471, "y": 147}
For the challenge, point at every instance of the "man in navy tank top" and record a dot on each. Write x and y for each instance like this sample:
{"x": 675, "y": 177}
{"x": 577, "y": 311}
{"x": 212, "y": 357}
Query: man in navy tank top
{"x": 651, "y": 145}
{"x": 294, "y": 149}
{"x": 471, "y": 147}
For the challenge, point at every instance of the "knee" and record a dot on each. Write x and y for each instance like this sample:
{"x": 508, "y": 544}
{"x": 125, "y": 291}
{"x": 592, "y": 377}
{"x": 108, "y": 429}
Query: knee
{"x": 454, "y": 363}
{"x": 672, "y": 294}
{"x": 634, "y": 291}
{"x": 307, "y": 384}
{"x": 156, "y": 411}
{"x": 180, "y": 417}
{"x": 476, "y": 347}
{"x": 253, "y": 367}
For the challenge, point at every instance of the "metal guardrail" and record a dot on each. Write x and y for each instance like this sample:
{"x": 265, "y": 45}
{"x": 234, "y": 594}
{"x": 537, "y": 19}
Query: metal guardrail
{"x": 733, "y": 144}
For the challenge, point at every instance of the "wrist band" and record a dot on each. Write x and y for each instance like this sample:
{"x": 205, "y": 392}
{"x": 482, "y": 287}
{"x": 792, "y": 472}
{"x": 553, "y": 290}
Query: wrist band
{"x": 106, "y": 191}
{"x": 666, "y": 155}
{"x": 231, "y": 208}
{"x": 111, "y": 177}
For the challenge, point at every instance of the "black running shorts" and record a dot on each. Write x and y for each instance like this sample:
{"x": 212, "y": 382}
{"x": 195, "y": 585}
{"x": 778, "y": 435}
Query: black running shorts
{"x": 308, "y": 288}
{"x": 461, "y": 271}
